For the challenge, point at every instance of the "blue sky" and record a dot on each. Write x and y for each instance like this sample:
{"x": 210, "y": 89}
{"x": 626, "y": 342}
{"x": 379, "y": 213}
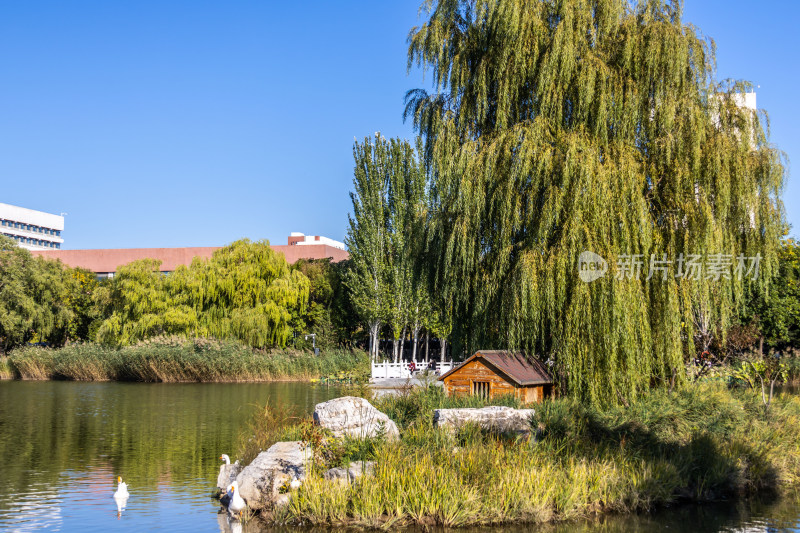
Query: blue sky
{"x": 177, "y": 123}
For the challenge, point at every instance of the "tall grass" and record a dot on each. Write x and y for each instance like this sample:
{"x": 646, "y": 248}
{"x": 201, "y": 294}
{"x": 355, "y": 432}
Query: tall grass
{"x": 6, "y": 369}
{"x": 704, "y": 442}
{"x": 181, "y": 360}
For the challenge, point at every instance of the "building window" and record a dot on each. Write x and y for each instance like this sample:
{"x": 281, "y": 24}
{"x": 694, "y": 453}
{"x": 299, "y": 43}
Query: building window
{"x": 481, "y": 388}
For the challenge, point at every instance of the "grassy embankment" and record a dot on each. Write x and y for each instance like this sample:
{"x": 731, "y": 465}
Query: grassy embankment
{"x": 702, "y": 443}
{"x": 178, "y": 360}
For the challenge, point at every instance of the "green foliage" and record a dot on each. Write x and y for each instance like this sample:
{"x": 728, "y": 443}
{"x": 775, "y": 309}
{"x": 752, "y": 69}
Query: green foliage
{"x": 328, "y": 314}
{"x": 417, "y": 406}
{"x": 267, "y": 426}
{"x": 81, "y": 285}
{"x": 6, "y": 369}
{"x": 35, "y": 298}
{"x": 778, "y": 311}
{"x": 557, "y": 127}
{"x": 762, "y": 373}
{"x": 385, "y": 237}
{"x": 175, "y": 359}
{"x": 246, "y": 291}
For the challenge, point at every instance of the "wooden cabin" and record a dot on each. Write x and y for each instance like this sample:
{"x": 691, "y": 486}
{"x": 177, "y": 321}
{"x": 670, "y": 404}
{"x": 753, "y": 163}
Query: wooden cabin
{"x": 491, "y": 373}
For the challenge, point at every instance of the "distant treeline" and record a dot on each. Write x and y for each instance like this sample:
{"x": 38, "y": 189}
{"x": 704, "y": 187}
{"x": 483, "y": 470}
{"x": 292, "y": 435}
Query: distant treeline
{"x": 245, "y": 292}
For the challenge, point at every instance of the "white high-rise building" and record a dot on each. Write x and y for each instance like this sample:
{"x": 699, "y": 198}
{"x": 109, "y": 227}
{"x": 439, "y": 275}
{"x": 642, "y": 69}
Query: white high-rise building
{"x": 34, "y": 230}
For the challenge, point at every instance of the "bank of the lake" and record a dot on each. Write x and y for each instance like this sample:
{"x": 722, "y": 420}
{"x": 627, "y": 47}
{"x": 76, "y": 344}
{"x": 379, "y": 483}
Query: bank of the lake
{"x": 179, "y": 360}
{"x": 703, "y": 443}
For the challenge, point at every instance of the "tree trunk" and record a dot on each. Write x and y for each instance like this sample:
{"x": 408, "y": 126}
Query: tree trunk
{"x": 427, "y": 345}
{"x": 395, "y": 342}
{"x": 403, "y": 343}
{"x": 443, "y": 353}
{"x": 414, "y": 346}
{"x": 374, "y": 331}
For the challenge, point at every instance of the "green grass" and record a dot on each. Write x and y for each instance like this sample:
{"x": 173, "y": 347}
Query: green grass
{"x": 702, "y": 443}
{"x": 6, "y": 369}
{"x": 181, "y": 360}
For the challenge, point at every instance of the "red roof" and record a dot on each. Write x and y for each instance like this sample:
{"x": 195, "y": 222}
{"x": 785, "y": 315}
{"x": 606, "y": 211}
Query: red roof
{"x": 109, "y": 260}
{"x": 516, "y": 366}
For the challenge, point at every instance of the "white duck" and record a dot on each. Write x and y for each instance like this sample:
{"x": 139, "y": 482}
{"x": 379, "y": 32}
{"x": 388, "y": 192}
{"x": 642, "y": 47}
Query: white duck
{"x": 227, "y": 472}
{"x": 122, "y": 489}
{"x": 236, "y": 504}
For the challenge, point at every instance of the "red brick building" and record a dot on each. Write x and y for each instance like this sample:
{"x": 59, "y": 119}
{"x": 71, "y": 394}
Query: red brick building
{"x": 105, "y": 263}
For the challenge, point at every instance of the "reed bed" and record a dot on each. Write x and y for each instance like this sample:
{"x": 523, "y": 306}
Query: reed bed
{"x": 702, "y": 443}
{"x": 181, "y": 360}
{"x": 6, "y": 369}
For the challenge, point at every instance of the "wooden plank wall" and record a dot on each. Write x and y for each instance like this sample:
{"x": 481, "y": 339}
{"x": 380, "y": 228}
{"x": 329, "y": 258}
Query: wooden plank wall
{"x": 459, "y": 383}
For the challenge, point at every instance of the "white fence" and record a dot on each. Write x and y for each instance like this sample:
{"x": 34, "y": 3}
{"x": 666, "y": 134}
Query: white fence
{"x": 387, "y": 370}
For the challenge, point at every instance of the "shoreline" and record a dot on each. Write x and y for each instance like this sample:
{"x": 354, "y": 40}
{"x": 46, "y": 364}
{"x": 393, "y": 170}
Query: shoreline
{"x": 702, "y": 444}
{"x": 179, "y": 361}
{"x": 271, "y": 519}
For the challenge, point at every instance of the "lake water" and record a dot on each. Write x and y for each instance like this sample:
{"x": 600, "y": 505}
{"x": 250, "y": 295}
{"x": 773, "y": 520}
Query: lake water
{"x": 62, "y": 445}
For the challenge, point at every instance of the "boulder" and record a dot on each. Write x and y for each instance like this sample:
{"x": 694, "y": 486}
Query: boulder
{"x": 227, "y": 475}
{"x": 360, "y": 468}
{"x": 336, "y": 474}
{"x": 497, "y": 419}
{"x": 260, "y": 481}
{"x": 354, "y": 417}
{"x": 351, "y": 473}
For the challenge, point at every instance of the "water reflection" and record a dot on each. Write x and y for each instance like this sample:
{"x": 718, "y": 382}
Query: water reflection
{"x": 63, "y": 444}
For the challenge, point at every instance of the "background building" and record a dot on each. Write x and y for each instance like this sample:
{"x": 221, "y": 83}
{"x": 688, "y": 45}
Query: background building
{"x": 299, "y": 239}
{"x": 34, "y": 230}
{"x": 105, "y": 263}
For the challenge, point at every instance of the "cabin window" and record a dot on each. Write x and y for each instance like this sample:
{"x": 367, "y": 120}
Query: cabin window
{"x": 480, "y": 388}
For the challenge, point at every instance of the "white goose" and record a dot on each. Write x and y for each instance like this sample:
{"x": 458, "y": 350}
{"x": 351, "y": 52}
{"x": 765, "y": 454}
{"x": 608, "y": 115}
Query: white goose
{"x": 236, "y": 504}
{"x": 122, "y": 489}
{"x": 227, "y": 472}
{"x": 121, "y": 496}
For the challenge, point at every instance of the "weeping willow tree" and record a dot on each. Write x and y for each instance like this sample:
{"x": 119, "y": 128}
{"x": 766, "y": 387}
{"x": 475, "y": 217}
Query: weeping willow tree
{"x": 556, "y": 127}
{"x": 246, "y": 291}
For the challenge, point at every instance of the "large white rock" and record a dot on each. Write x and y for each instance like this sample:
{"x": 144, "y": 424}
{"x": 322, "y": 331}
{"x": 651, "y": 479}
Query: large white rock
{"x": 495, "y": 418}
{"x": 354, "y": 417}
{"x": 227, "y": 475}
{"x": 260, "y": 480}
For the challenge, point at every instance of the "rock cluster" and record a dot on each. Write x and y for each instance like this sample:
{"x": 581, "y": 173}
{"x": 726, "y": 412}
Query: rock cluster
{"x": 354, "y": 417}
{"x": 260, "y": 481}
{"x": 498, "y": 419}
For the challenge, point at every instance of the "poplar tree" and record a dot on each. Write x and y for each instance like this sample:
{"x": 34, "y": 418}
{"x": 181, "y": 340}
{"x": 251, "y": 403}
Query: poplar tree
{"x": 556, "y": 127}
{"x": 406, "y": 203}
{"x": 366, "y": 237}
{"x": 384, "y": 237}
